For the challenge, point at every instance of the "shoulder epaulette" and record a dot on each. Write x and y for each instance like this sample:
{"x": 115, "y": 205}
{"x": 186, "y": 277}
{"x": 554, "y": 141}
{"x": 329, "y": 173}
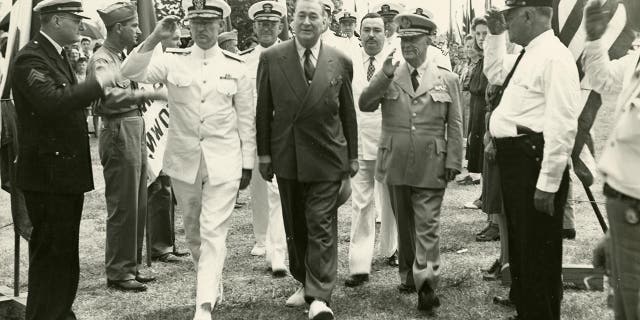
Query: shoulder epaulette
{"x": 180, "y": 51}
{"x": 247, "y": 51}
{"x": 232, "y": 55}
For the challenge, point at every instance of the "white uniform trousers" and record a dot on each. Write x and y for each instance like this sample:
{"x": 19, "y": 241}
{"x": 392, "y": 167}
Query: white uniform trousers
{"x": 268, "y": 224}
{"x": 206, "y": 211}
{"x": 365, "y": 192}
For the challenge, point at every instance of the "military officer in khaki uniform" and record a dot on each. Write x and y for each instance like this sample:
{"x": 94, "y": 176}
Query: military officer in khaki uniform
{"x": 122, "y": 151}
{"x": 211, "y": 141}
{"x": 420, "y": 149}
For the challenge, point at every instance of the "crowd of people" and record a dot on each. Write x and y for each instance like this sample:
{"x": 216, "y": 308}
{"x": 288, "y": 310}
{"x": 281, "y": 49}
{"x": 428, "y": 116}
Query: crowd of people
{"x": 376, "y": 110}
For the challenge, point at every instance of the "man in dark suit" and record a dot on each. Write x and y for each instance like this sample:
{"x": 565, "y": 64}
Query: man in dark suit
{"x": 54, "y": 165}
{"x": 307, "y": 136}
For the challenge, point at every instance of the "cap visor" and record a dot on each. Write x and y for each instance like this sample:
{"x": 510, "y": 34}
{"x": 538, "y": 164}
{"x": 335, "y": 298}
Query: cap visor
{"x": 79, "y": 15}
{"x": 504, "y": 8}
{"x": 403, "y": 34}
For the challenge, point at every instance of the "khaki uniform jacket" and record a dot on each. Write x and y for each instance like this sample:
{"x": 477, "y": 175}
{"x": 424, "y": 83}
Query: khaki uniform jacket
{"x": 421, "y": 130}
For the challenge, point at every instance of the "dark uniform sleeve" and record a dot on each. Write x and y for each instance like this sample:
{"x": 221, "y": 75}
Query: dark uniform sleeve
{"x": 264, "y": 108}
{"x": 50, "y": 96}
{"x": 348, "y": 112}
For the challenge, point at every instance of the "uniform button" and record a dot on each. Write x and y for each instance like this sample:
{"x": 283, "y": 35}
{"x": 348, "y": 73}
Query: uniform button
{"x": 613, "y": 143}
{"x": 414, "y": 114}
{"x": 202, "y": 101}
{"x": 533, "y": 147}
{"x": 413, "y": 127}
{"x": 57, "y": 153}
{"x": 201, "y": 120}
{"x": 201, "y": 139}
{"x": 205, "y": 63}
{"x": 415, "y": 101}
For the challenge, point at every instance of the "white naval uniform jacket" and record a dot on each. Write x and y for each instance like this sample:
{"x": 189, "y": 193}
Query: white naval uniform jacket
{"x": 212, "y": 110}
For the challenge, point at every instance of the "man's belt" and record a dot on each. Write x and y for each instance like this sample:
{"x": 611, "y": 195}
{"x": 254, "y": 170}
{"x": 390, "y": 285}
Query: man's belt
{"x": 127, "y": 114}
{"x": 613, "y": 193}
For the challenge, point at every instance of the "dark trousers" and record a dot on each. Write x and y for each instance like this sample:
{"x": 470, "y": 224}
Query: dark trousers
{"x": 535, "y": 238}
{"x": 160, "y": 216}
{"x": 54, "y": 266}
{"x": 123, "y": 154}
{"x": 311, "y": 224}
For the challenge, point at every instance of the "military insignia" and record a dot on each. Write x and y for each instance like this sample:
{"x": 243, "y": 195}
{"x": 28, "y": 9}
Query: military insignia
{"x": 631, "y": 216}
{"x": 34, "y": 76}
{"x": 440, "y": 87}
{"x": 227, "y": 77}
{"x": 347, "y": 15}
{"x": 385, "y": 8}
{"x": 199, "y": 4}
{"x": 420, "y": 11}
{"x": 405, "y": 23}
{"x": 267, "y": 7}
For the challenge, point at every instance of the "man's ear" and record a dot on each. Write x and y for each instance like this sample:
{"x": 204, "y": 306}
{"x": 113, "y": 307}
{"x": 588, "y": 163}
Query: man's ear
{"x": 222, "y": 24}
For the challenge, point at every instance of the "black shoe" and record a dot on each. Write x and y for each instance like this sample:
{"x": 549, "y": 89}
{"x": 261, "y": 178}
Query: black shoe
{"x": 427, "y": 299}
{"x": 491, "y": 234}
{"x": 393, "y": 260}
{"x": 496, "y": 266}
{"x": 179, "y": 253}
{"x": 505, "y": 302}
{"x": 569, "y": 234}
{"x": 279, "y": 273}
{"x": 168, "y": 257}
{"x": 481, "y": 232}
{"x": 130, "y": 285}
{"x": 403, "y": 288}
{"x": 145, "y": 278}
{"x": 355, "y": 280}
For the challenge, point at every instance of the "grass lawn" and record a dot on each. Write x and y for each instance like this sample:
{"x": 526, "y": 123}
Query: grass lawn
{"x": 251, "y": 293}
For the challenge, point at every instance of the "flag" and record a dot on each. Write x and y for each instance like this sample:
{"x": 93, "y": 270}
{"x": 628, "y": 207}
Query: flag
{"x": 20, "y": 28}
{"x": 146, "y": 17}
{"x": 569, "y": 27}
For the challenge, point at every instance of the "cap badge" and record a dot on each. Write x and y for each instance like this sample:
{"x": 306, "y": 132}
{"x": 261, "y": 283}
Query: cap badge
{"x": 420, "y": 11}
{"x": 405, "y": 23}
{"x": 385, "y": 8}
{"x": 267, "y": 7}
{"x": 199, "y": 4}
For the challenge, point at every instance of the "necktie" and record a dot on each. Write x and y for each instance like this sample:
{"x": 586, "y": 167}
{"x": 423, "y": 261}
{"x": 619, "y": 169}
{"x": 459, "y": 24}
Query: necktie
{"x": 309, "y": 69}
{"x": 414, "y": 79}
{"x": 371, "y": 69}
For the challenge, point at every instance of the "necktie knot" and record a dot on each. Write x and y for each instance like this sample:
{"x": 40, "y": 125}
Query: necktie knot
{"x": 309, "y": 68}
{"x": 371, "y": 69}
{"x": 307, "y": 53}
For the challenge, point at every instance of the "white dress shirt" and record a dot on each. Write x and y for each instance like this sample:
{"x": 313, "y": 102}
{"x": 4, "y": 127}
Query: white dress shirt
{"x": 620, "y": 160}
{"x": 315, "y": 52}
{"x": 543, "y": 95}
{"x": 369, "y": 123}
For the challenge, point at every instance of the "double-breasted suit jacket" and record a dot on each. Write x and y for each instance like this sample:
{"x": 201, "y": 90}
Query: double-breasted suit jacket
{"x": 52, "y": 132}
{"x": 421, "y": 129}
{"x": 309, "y": 131}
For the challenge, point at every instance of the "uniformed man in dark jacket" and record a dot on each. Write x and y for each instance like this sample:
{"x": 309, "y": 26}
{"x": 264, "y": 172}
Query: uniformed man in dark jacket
{"x": 54, "y": 165}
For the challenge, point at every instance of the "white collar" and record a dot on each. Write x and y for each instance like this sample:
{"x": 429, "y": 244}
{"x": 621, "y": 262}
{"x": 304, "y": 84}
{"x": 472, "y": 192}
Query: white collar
{"x": 315, "y": 50}
{"x": 379, "y": 57}
{"x": 55, "y": 44}
{"x": 421, "y": 69}
{"x": 205, "y": 54}
{"x": 541, "y": 39}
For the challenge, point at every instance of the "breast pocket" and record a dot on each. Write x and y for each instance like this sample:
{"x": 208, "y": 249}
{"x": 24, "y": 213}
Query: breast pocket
{"x": 178, "y": 84}
{"x": 227, "y": 87}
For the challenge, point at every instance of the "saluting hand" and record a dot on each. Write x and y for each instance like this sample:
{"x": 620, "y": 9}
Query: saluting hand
{"x": 389, "y": 67}
{"x": 495, "y": 21}
{"x": 544, "y": 201}
{"x": 596, "y": 20}
{"x": 165, "y": 29}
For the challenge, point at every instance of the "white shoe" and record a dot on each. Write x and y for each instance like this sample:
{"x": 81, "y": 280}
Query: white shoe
{"x": 202, "y": 313}
{"x": 258, "y": 250}
{"x": 320, "y": 311}
{"x": 297, "y": 299}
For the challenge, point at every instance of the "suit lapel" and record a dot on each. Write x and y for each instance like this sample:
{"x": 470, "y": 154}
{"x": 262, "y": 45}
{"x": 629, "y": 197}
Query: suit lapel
{"x": 403, "y": 79}
{"x": 324, "y": 71}
{"x": 292, "y": 70}
{"x": 62, "y": 65}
